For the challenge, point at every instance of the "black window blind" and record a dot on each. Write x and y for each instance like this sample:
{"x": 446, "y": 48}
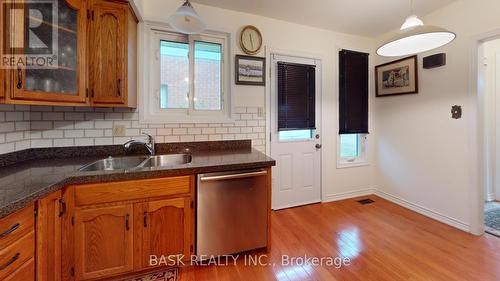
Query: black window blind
{"x": 353, "y": 92}
{"x": 296, "y": 96}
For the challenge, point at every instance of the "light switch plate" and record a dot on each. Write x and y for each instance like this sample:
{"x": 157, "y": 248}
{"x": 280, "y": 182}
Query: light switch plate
{"x": 119, "y": 130}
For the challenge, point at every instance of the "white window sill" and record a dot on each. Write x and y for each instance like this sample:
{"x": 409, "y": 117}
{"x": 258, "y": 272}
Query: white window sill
{"x": 183, "y": 119}
{"x": 345, "y": 164}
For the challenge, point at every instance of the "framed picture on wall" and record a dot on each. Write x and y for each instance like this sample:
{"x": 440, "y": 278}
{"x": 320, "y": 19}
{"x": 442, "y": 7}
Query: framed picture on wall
{"x": 250, "y": 70}
{"x": 398, "y": 77}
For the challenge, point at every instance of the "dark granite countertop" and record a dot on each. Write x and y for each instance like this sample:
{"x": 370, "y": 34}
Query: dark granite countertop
{"x": 41, "y": 172}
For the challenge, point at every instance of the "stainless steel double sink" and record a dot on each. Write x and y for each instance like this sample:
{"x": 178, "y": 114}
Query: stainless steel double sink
{"x": 137, "y": 162}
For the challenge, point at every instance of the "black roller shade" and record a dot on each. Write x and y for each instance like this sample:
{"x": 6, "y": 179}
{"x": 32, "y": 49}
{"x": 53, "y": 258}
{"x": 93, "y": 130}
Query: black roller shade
{"x": 353, "y": 92}
{"x": 296, "y": 96}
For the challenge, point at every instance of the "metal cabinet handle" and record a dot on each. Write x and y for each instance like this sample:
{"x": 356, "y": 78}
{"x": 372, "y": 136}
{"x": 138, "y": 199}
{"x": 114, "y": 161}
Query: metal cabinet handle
{"x": 11, "y": 261}
{"x": 234, "y": 176}
{"x": 62, "y": 208}
{"x": 145, "y": 219}
{"x": 119, "y": 87}
{"x": 19, "y": 77}
{"x": 127, "y": 224}
{"x": 10, "y": 230}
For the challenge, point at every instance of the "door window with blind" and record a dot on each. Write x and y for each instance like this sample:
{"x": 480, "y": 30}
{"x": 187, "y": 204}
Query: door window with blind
{"x": 296, "y": 101}
{"x": 353, "y": 107}
{"x": 189, "y": 79}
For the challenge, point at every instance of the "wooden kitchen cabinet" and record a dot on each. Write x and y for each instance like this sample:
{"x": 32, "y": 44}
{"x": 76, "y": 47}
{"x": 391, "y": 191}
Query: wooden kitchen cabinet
{"x": 62, "y": 81}
{"x": 167, "y": 227}
{"x": 109, "y": 53}
{"x": 95, "y": 56}
{"x": 117, "y": 225}
{"x": 103, "y": 241}
{"x": 17, "y": 245}
{"x": 50, "y": 211}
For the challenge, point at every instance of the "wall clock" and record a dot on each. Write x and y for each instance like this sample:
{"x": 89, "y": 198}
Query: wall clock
{"x": 250, "y": 40}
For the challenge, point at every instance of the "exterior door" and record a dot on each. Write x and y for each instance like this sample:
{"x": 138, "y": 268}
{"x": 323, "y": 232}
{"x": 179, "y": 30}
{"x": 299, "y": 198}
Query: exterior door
{"x": 108, "y": 52}
{"x": 167, "y": 228}
{"x": 297, "y": 174}
{"x": 103, "y": 241}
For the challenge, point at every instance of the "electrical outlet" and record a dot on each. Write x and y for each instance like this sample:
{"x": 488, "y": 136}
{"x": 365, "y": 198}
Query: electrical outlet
{"x": 119, "y": 130}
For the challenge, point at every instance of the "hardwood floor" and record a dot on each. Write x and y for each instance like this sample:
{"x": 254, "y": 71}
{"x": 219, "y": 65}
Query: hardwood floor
{"x": 382, "y": 240}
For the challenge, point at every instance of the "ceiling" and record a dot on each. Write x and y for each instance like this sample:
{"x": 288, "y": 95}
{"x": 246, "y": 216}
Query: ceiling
{"x": 361, "y": 17}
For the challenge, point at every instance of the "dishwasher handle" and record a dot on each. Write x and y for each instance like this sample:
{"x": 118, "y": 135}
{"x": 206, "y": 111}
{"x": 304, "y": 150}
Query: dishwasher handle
{"x": 234, "y": 176}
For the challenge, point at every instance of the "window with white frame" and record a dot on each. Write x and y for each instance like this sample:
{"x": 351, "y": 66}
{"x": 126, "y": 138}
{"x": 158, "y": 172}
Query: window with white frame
{"x": 352, "y": 148}
{"x": 187, "y": 78}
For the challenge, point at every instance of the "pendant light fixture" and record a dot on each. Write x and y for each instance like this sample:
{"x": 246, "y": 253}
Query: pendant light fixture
{"x": 186, "y": 20}
{"x": 415, "y": 37}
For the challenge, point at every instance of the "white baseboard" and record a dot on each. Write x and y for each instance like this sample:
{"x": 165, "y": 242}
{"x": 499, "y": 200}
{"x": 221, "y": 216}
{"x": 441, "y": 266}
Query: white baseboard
{"x": 424, "y": 211}
{"x": 348, "y": 195}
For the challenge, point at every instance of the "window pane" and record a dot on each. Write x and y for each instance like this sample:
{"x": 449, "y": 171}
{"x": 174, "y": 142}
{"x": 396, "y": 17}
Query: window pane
{"x": 207, "y": 76}
{"x": 349, "y": 146}
{"x": 174, "y": 74}
{"x": 295, "y": 135}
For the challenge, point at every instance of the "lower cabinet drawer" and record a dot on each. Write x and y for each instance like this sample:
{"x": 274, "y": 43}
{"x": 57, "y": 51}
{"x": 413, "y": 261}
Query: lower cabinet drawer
{"x": 91, "y": 194}
{"x": 25, "y": 273}
{"x": 15, "y": 255}
{"x": 16, "y": 225}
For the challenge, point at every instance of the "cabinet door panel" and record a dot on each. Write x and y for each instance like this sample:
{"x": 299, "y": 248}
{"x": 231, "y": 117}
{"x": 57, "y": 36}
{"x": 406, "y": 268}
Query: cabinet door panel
{"x": 108, "y": 71}
{"x": 59, "y": 45}
{"x": 167, "y": 228}
{"x": 103, "y": 241}
{"x": 48, "y": 238}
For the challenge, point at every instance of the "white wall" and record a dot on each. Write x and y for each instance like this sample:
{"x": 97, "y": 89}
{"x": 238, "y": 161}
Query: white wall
{"x": 280, "y": 35}
{"x": 491, "y": 64}
{"x": 424, "y": 157}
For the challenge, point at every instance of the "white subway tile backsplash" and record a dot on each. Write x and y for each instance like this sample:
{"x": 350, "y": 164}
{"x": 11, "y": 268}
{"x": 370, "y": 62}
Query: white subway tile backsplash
{"x": 84, "y": 141}
{"x": 84, "y": 125}
{"x": 53, "y": 116}
{"x": 179, "y": 131}
{"x": 41, "y": 143}
{"x": 52, "y": 134}
{"x": 7, "y": 127}
{"x": 45, "y": 126}
{"x": 41, "y": 125}
{"x": 64, "y": 142}
{"x": 73, "y": 133}
{"x": 93, "y": 133}
{"x": 75, "y": 116}
{"x": 12, "y": 137}
{"x": 14, "y": 116}
{"x": 101, "y": 124}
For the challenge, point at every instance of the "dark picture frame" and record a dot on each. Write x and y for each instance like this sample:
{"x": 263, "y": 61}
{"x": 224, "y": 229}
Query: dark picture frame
{"x": 399, "y": 77}
{"x": 250, "y": 70}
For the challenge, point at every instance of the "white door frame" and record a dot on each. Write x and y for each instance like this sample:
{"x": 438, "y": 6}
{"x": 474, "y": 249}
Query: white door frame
{"x": 478, "y": 147}
{"x": 319, "y": 89}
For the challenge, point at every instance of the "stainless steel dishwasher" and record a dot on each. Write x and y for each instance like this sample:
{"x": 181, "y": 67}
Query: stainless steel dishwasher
{"x": 231, "y": 212}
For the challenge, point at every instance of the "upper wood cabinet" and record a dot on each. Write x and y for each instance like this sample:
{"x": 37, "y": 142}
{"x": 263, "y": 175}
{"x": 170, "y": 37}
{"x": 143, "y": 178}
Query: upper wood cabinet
{"x": 54, "y": 48}
{"x": 109, "y": 53}
{"x": 94, "y": 54}
{"x": 103, "y": 241}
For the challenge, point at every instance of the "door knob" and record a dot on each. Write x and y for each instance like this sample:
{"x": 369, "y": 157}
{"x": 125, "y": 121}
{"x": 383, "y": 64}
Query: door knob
{"x": 318, "y": 146}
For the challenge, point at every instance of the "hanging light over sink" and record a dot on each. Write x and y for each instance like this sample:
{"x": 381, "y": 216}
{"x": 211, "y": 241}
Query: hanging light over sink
{"x": 415, "y": 37}
{"x": 186, "y": 20}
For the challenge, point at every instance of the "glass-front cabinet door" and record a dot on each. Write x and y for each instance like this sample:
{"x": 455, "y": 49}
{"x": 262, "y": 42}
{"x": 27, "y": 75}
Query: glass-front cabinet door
{"x": 50, "y": 51}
